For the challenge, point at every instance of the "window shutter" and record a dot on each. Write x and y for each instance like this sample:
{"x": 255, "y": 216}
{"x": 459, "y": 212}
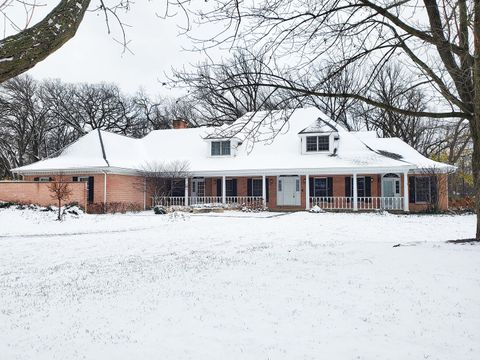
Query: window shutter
{"x": 219, "y": 187}
{"x": 234, "y": 188}
{"x": 75, "y": 178}
{"x": 433, "y": 189}
{"x": 36, "y": 179}
{"x": 348, "y": 186}
{"x": 90, "y": 189}
{"x": 330, "y": 186}
{"x": 249, "y": 187}
{"x": 368, "y": 186}
{"x": 268, "y": 194}
{"x": 411, "y": 189}
{"x": 311, "y": 186}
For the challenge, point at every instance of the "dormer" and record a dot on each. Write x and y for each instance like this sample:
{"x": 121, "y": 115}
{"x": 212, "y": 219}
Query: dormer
{"x": 315, "y": 143}
{"x": 320, "y": 137}
{"x": 222, "y": 147}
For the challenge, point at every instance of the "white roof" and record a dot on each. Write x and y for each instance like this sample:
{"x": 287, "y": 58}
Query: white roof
{"x": 269, "y": 143}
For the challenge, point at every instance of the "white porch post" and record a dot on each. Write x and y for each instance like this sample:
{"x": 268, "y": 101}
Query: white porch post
{"x": 224, "y": 188}
{"x": 406, "y": 196}
{"x": 355, "y": 193}
{"x": 264, "y": 191}
{"x": 186, "y": 191}
{"x": 307, "y": 192}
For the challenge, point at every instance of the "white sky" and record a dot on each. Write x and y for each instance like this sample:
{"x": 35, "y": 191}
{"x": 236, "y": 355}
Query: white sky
{"x": 93, "y": 56}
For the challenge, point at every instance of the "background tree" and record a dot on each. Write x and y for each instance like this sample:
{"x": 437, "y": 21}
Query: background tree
{"x": 437, "y": 43}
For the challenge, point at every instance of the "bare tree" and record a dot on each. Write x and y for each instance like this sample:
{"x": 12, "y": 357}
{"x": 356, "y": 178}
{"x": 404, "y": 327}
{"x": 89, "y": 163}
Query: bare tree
{"x": 164, "y": 179}
{"x": 438, "y": 43}
{"x": 225, "y": 91}
{"x": 60, "y": 191}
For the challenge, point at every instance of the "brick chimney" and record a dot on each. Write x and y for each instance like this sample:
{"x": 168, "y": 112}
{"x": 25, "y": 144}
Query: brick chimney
{"x": 180, "y": 124}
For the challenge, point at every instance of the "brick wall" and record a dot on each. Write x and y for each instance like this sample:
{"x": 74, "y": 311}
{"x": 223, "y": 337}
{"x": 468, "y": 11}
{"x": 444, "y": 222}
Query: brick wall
{"x": 30, "y": 192}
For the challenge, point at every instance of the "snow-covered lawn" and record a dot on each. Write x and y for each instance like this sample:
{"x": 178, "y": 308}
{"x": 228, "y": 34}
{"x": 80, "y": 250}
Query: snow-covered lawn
{"x": 238, "y": 286}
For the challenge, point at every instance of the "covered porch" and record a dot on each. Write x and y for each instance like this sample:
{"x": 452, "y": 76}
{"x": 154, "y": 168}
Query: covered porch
{"x": 350, "y": 192}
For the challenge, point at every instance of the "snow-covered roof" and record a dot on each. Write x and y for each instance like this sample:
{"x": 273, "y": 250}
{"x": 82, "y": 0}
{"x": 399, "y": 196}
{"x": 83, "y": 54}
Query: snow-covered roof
{"x": 266, "y": 143}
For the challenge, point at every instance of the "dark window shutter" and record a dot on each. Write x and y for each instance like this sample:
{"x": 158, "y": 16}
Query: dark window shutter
{"x": 90, "y": 189}
{"x": 267, "y": 190}
{"x": 36, "y": 179}
{"x": 311, "y": 186}
{"x": 330, "y": 186}
{"x": 368, "y": 186}
{"x": 433, "y": 189}
{"x": 219, "y": 187}
{"x": 348, "y": 186}
{"x": 75, "y": 178}
{"x": 249, "y": 187}
{"x": 411, "y": 189}
{"x": 234, "y": 187}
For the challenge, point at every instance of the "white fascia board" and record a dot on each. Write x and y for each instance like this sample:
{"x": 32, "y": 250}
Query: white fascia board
{"x": 299, "y": 171}
{"x": 89, "y": 170}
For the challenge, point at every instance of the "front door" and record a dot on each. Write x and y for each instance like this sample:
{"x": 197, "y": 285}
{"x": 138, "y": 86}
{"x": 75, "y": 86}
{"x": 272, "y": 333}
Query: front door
{"x": 288, "y": 191}
{"x": 198, "y": 187}
{"x": 391, "y": 191}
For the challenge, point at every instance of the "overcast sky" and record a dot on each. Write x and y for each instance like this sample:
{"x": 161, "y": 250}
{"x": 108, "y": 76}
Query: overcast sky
{"x": 93, "y": 56}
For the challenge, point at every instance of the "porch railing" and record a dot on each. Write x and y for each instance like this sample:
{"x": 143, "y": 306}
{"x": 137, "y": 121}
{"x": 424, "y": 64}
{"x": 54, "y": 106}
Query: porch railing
{"x": 363, "y": 203}
{"x": 252, "y": 202}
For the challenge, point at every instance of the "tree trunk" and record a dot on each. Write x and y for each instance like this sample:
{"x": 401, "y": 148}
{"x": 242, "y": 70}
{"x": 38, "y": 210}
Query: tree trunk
{"x": 21, "y": 52}
{"x": 476, "y": 177}
{"x": 59, "y": 210}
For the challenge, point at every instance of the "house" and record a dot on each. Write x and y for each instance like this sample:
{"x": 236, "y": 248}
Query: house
{"x": 286, "y": 160}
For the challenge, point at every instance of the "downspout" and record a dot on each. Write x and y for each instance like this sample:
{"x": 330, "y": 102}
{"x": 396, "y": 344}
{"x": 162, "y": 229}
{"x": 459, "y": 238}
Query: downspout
{"x": 105, "y": 190}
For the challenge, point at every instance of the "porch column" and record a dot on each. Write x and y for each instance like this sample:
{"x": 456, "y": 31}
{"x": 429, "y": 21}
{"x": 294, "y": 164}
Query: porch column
{"x": 224, "y": 188}
{"x": 264, "y": 191}
{"x": 406, "y": 195}
{"x": 307, "y": 192}
{"x": 186, "y": 191}
{"x": 355, "y": 193}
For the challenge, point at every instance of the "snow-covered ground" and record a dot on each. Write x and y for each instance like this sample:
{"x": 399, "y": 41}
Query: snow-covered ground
{"x": 238, "y": 286}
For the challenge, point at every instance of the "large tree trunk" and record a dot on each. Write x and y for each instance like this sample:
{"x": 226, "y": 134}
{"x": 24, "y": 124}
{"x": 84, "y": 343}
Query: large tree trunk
{"x": 21, "y": 52}
{"x": 475, "y": 121}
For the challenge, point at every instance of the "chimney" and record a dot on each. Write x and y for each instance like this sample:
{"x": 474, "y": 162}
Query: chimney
{"x": 180, "y": 124}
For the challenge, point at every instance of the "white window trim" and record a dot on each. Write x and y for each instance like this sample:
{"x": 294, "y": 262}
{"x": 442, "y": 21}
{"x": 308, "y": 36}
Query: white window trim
{"x": 233, "y": 147}
{"x": 331, "y": 139}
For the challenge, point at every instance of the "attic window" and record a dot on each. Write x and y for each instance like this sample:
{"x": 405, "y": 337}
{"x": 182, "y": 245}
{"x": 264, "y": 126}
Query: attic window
{"x": 318, "y": 143}
{"x": 220, "y": 148}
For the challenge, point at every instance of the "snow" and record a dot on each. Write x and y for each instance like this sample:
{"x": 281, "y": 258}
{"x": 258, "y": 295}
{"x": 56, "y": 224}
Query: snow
{"x": 238, "y": 285}
{"x": 260, "y": 152}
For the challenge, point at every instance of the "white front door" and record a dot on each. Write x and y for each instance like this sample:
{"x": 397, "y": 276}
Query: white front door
{"x": 198, "y": 187}
{"x": 391, "y": 192}
{"x": 288, "y": 191}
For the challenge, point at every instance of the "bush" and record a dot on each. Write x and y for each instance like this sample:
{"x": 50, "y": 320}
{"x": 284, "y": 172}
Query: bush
{"x": 159, "y": 210}
{"x": 6, "y": 205}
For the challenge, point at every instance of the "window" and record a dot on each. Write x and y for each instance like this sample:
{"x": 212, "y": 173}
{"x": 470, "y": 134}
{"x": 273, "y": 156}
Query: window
{"x": 81, "y": 178}
{"x": 257, "y": 187}
{"x": 44, "y": 179}
{"x": 177, "y": 187}
{"x": 318, "y": 143}
{"x": 361, "y": 187}
{"x": 320, "y": 187}
{"x": 422, "y": 189}
{"x": 220, "y": 148}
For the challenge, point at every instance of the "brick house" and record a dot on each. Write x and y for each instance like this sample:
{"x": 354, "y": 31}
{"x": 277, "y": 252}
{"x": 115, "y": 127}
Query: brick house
{"x": 285, "y": 165}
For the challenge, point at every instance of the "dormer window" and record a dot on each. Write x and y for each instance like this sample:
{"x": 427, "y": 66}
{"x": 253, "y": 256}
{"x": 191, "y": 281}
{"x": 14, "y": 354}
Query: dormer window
{"x": 318, "y": 143}
{"x": 220, "y": 148}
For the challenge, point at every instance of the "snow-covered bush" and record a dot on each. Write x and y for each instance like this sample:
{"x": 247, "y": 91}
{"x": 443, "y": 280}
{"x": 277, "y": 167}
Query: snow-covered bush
{"x": 317, "y": 209}
{"x": 159, "y": 210}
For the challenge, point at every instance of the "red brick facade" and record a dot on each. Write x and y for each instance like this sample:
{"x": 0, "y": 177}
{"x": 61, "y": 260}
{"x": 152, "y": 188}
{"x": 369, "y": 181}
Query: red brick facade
{"x": 126, "y": 189}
